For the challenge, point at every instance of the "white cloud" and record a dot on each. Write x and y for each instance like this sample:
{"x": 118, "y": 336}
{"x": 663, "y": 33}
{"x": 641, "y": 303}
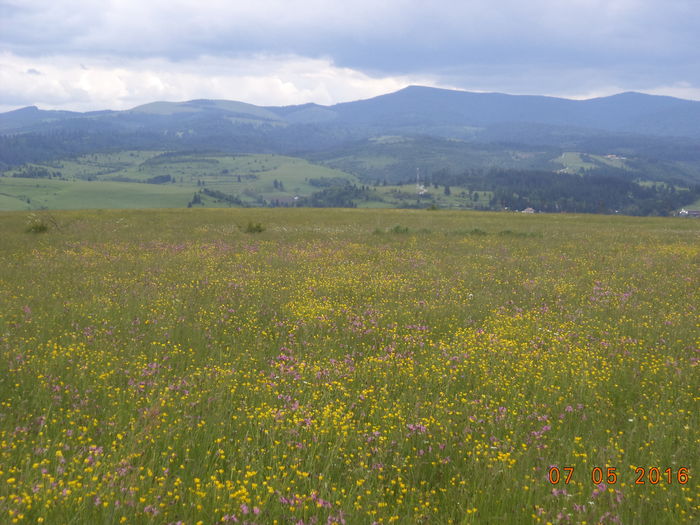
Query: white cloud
{"x": 290, "y": 51}
{"x": 83, "y": 83}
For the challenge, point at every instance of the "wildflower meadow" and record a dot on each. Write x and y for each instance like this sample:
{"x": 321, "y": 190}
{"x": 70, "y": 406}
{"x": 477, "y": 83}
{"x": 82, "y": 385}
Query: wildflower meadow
{"x": 348, "y": 367}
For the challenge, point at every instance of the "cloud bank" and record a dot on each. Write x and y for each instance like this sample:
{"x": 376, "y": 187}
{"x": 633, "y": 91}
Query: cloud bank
{"x": 87, "y": 83}
{"x": 293, "y": 51}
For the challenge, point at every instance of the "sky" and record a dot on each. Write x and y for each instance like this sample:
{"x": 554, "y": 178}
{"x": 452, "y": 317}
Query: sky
{"x": 117, "y": 54}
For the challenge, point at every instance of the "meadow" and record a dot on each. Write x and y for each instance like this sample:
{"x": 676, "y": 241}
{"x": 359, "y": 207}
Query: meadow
{"x": 348, "y": 367}
{"x": 121, "y": 180}
{"x": 372, "y": 178}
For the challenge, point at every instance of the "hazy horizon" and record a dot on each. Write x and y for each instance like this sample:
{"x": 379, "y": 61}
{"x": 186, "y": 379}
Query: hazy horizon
{"x": 330, "y": 105}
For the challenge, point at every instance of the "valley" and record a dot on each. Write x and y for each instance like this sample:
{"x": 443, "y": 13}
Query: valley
{"x": 416, "y": 148}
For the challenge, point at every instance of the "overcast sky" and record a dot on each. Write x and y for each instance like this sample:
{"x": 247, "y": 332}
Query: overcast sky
{"x": 116, "y": 54}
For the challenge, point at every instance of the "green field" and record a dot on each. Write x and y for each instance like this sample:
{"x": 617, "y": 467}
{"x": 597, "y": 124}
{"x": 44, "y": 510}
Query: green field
{"x": 348, "y": 366}
{"x": 125, "y": 180}
{"x": 574, "y": 162}
{"x": 694, "y": 206}
{"x": 28, "y": 194}
{"x": 121, "y": 180}
{"x": 386, "y": 172}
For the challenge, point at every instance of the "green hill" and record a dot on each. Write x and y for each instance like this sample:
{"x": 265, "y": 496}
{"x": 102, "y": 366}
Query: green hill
{"x": 153, "y": 179}
{"x": 629, "y": 153}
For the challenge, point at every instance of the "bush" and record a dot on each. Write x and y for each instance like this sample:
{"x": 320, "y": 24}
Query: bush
{"x": 36, "y": 224}
{"x": 254, "y": 227}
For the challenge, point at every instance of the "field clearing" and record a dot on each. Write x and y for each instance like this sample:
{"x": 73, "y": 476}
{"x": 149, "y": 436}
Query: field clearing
{"x": 574, "y": 162}
{"x": 407, "y": 194}
{"x": 375, "y": 178}
{"x": 12, "y": 203}
{"x": 348, "y": 366}
{"x": 21, "y": 193}
{"x": 121, "y": 180}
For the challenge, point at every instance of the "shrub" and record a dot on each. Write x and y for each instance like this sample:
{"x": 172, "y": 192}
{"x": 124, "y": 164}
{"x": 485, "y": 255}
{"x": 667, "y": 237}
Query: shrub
{"x": 36, "y": 224}
{"x": 254, "y": 227}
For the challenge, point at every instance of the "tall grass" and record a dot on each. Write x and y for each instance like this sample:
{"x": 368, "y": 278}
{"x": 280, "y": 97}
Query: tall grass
{"x": 166, "y": 366}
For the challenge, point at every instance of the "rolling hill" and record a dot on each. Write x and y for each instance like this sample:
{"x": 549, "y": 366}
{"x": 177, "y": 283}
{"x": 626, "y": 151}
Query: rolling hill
{"x": 414, "y": 106}
{"x": 451, "y": 138}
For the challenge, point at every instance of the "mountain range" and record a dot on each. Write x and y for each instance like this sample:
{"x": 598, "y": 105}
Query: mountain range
{"x": 432, "y": 110}
{"x": 450, "y": 137}
{"x": 656, "y": 127}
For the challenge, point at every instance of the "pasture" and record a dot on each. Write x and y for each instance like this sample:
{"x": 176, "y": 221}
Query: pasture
{"x": 121, "y": 180}
{"x": 349, "y": 367}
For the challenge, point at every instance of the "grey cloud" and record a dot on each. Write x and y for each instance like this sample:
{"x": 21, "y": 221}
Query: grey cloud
{"x": 626, "y": 41}
{"x": 315, "y": 27}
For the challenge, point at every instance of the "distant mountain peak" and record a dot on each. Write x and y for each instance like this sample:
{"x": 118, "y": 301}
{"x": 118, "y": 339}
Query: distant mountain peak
{"x": 413, "y": 109}
{"x": 27, "y": 109}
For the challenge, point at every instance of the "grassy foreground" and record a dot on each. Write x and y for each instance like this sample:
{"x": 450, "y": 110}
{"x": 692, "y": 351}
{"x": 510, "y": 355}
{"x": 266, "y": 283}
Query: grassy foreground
{"x": 349, "y": 367}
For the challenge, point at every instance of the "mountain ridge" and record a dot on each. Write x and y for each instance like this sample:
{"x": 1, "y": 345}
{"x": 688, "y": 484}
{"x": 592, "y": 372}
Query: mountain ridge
{"x": 652, "y": 128}
{"x": 630, "y": 152}
{"x": 421, "y": 105}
